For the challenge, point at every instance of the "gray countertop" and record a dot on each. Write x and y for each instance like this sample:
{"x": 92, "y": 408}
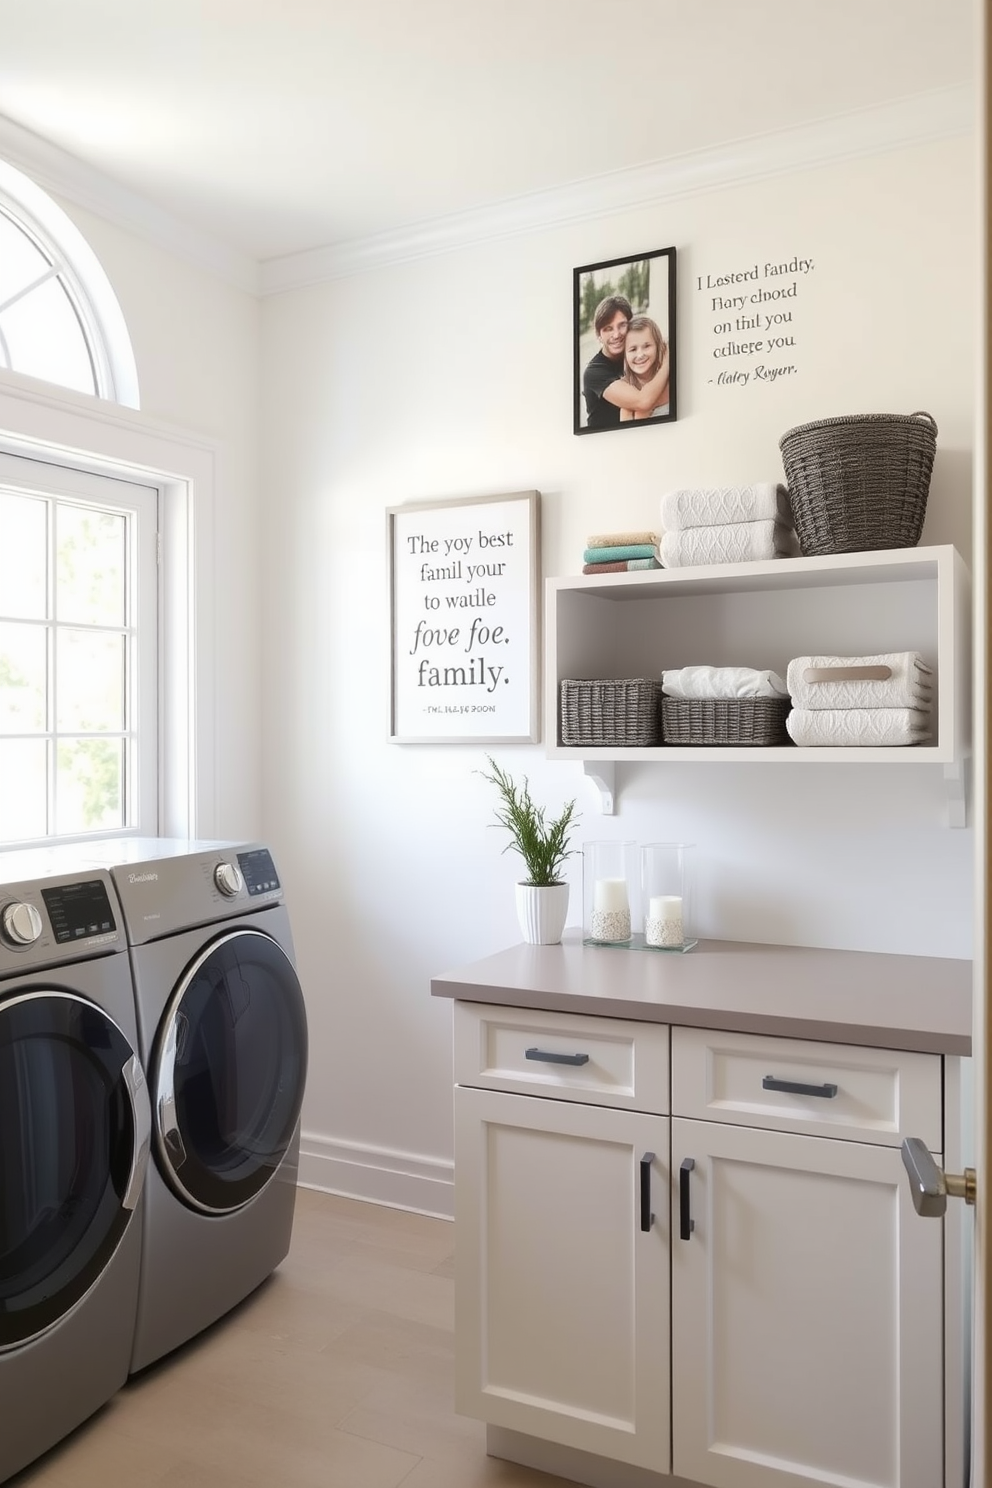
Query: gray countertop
{"x": 850, "y": 997}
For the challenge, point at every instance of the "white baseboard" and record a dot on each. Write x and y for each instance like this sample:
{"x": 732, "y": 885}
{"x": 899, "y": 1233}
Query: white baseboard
{"x": 573, "y": 1465}
{"x": 357, "y": 1170}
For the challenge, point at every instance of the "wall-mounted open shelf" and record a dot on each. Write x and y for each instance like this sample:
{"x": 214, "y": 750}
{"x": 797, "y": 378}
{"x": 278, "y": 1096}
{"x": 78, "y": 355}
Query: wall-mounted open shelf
{"x": 762, "y": 615}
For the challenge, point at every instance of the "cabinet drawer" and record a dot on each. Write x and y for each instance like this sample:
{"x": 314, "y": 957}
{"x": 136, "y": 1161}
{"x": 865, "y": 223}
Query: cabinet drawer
{"x": 863, "y": 1095}
{"x": 600, "y": 1061}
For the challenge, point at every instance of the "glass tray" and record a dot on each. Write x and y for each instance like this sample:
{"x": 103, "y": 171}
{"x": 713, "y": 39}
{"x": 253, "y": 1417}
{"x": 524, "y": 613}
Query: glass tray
{"x": 638, "y": 943}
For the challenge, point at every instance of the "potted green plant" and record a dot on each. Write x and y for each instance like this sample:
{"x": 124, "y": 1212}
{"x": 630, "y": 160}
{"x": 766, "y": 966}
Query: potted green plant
{"x": 542, "y": 897}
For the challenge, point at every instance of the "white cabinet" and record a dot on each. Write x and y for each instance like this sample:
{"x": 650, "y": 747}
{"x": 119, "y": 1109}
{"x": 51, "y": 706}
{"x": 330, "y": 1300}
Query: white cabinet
{"x": 807, "y": 1326}
{"x": 561, "y": 1210}
{"x": 807, "y": 1314}
{"x": 561, "y": 1297}
{"x": 785, "y": 1279}
{"x": 763, "y": 615}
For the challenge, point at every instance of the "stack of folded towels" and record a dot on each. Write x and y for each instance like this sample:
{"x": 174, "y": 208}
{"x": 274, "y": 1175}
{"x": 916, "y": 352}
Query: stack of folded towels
{"x": 620, "y": 552}
{"x": 722, "y": 682}
{"x": 862, "y": 700}
{"x": 728, "y": 524}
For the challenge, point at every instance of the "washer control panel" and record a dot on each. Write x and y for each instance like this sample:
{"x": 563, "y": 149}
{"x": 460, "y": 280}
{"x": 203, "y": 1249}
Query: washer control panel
{"x": 166, "y": 887}
{"x": 55, "y": 918}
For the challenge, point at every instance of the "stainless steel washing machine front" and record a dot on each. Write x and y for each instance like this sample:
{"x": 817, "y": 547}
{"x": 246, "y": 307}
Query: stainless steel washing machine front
{"x": 74, "y": 1141}
{"x": 223, "y": 1033}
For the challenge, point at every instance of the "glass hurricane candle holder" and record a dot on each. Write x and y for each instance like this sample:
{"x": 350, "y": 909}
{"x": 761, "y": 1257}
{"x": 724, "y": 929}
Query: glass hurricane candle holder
{"x": 665, "y": 895}
{"x": 608, "y": 880}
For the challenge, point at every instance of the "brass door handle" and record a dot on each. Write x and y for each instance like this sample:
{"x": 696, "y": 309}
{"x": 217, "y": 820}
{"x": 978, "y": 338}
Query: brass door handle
{"x": 930, "y": 1185}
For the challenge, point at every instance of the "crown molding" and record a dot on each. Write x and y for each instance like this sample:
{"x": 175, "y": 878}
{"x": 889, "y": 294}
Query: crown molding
{"x": 65, "y": 176}
{"x": 935, "y": 115}
{"x": 918, "y": 119}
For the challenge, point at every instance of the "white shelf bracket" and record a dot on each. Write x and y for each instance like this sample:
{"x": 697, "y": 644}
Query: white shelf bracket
{"x": 956, "y": 785}
{"x": 603, "y": 774}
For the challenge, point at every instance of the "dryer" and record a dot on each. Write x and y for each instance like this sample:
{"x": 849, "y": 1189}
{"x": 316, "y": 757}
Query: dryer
{"x": 74, "y": 1138}
{"x": 223, "y": 1035}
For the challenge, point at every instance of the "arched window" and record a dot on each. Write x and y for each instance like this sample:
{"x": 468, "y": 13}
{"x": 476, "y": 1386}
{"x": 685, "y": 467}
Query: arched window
{"x": 79, "y": 541}
{"x": 59, "y": 317}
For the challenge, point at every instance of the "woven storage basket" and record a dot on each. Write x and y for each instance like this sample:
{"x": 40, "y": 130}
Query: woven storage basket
{"x": 724, "y": 720}
{"x": 623, "y": 710}
{"x": 859, "y": 483}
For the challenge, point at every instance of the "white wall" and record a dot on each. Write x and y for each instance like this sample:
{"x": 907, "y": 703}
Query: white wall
{"x": 451, "y": 376}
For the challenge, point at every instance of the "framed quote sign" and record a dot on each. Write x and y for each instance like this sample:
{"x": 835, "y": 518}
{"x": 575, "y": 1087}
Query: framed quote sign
{"x": 465, "y": 619}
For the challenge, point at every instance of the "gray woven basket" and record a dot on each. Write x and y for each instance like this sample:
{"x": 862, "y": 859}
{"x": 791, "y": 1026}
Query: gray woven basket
{"x": 614, "y": 711}
{"x": 859, "y": 483}
{"x": 706, "y": 721}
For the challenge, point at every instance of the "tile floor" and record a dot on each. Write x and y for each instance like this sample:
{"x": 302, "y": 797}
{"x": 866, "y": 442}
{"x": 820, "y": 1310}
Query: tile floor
{"x": 336, "y": 1373}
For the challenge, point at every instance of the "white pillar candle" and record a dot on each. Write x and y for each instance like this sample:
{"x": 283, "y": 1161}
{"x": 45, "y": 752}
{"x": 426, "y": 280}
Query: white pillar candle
{"x": 665, "y": 907}
{"x": 663, "y": 923}
{"x": 610, "y": 895}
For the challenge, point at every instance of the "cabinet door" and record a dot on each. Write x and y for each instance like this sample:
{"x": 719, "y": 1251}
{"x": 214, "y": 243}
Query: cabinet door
{"x": 562, "y": 1299}
{"x": 806, "y": 1315}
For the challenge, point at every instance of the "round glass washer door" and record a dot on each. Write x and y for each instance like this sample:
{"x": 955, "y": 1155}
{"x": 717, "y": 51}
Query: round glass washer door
{"x": 74, "y": 1137}
{"x": 229, "y": 1072}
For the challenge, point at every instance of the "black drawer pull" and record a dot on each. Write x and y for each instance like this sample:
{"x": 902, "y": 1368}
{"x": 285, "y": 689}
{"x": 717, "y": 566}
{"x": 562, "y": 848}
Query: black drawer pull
{"x": 647, "y": 1218}
{"x": 793, "y": 1087}
{"x": 686, "y": 1222}
{"x": 547, "y": 1058}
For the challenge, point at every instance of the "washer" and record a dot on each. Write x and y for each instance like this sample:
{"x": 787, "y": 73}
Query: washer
{"x": 223, "y": 1036}
{"x": 74, "y": 1138}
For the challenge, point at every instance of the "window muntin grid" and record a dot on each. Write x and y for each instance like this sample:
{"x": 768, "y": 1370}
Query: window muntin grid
{"x": 78, "y": 712}
{"x": 59, "y": 317}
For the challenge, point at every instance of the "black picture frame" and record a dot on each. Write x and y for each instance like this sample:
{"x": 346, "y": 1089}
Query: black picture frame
{"x": 647, "y": 282}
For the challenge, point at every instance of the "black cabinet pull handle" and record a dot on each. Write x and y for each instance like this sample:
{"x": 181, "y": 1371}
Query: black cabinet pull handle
{"x": 794, "y": 1087}
{"x": 647, "y": 1218}
{"x": 686, "y": 1222}
{"x": 548, "y": 1058}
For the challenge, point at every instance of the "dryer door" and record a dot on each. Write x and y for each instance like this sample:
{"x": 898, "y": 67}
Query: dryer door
{"x": 74, "y": 1138}
{"x": 229, "y": 1069}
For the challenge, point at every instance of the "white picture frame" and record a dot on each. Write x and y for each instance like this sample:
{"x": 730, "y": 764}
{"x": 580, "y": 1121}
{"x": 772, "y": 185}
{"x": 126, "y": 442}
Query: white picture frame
{"x": 464, "y": 579}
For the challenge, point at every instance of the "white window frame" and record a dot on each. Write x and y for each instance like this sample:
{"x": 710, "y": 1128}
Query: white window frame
{"x": 68, "y": 428}
{"x": 83, "y": 277}
{"x": 65, "y": 482}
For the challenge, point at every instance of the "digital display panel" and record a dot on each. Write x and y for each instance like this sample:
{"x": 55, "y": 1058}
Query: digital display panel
{"x": 259, "y": 871}
{"x": 79, "y": 910}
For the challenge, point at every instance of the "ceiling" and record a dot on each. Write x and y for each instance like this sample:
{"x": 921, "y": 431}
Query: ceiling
{"x": 283, "y": 127}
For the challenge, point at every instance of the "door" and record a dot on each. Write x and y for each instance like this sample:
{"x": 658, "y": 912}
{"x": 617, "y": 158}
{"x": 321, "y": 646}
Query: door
{"x": 74, "y": 1132}
{"x": 807, "y": 1316}
{"x": 562, "y": 1285}
{"x": 228, "y": 1072}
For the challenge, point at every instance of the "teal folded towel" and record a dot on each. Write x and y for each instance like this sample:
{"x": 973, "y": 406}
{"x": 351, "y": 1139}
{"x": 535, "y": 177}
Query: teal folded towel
{"x": 614, "y": 555}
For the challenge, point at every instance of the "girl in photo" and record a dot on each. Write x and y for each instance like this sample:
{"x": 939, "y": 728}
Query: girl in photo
{"x": 645, "y": 352}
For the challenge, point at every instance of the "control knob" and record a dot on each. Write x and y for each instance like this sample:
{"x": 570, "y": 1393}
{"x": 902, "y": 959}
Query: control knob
{"x": 20, "y": 924}
{"x": 228, "y": 879}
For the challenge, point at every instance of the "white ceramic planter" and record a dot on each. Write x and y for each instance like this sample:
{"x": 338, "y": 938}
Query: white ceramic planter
{"x": 542, "y": 912}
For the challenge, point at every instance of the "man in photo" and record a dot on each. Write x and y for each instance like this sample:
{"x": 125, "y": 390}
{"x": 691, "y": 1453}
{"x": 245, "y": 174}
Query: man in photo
{"x": 604, "y": 386}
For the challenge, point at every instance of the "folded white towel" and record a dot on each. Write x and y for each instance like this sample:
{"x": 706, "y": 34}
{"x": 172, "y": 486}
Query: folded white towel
{"x": 715, "y": 507}
{"x": 908, "y": 685}
{"x": 857, "y": 726}
{"x": 735, "y": 542}
{"x": 721, "y": 682}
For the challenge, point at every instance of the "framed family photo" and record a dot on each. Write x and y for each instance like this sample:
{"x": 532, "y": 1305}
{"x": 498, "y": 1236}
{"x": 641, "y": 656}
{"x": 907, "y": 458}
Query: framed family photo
{"x": 624, "y": 347}
{"x": 464, "y": 587}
